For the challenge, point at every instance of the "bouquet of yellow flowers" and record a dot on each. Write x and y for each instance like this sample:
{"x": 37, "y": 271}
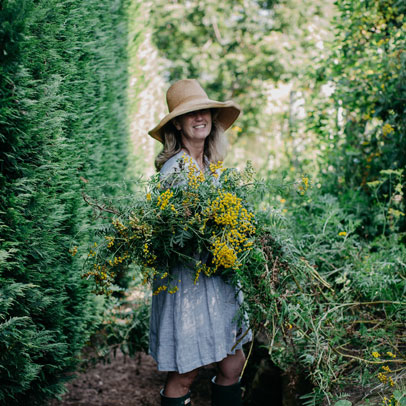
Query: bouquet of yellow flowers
{"x": 189, "y": 217}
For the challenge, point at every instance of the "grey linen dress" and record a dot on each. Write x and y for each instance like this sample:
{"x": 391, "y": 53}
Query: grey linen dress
{"x": 199, "y": 324}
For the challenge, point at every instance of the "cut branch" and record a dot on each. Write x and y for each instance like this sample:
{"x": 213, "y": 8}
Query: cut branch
{"x": 99, "y": 207}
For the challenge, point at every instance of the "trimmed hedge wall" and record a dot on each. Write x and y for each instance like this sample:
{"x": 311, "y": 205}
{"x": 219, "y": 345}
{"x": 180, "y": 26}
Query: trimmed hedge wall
{"x": 63, "y": 130}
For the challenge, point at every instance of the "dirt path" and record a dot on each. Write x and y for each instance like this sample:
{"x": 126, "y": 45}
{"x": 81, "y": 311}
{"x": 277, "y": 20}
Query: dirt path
{"x": 128, "y": 382}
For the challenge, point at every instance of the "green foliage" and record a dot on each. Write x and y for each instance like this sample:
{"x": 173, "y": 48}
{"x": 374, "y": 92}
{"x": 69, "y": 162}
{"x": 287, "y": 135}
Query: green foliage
{"x": 328, "y": 300}
{"x": 326, "y": 279}
{"x": 360, "y": 126}
{"x": 349, "y": 226}
{"x": 125, "y": 326}
{"x": 186, "y": 217}
{"x": 63, "y": 132}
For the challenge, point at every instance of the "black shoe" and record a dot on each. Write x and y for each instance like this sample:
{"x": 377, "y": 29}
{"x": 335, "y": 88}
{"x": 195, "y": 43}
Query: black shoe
{"x": 184, "y": 400}
{"x": 229, "y": 395}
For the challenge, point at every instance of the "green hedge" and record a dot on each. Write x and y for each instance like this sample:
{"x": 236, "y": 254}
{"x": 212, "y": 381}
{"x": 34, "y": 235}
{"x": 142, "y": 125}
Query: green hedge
{"x": 360, "y": 127}
{"x": 63, "y": 82}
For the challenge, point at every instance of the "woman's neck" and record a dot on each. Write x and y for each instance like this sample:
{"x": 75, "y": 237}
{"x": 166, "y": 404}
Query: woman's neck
{"x": 196, "y": 151}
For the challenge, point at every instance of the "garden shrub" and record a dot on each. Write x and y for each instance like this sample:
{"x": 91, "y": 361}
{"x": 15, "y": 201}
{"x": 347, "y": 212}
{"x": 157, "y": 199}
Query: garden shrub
{"x": 360, "y": 126}
{"x": 63, "y": 79}
{"x": 331, "y": 303}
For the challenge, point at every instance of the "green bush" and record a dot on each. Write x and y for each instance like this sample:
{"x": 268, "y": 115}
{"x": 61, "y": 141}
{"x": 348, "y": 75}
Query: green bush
{"x": 360, "y": 126}
{"x": 63, "y": 79}
{"x": 328, "y": 300}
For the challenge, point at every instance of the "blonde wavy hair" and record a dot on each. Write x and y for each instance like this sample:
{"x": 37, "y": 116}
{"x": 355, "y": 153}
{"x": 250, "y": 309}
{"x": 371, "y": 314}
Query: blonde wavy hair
{"x": 215, "y": 145}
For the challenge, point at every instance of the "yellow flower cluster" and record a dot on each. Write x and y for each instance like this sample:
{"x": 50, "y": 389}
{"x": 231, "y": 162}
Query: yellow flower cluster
{"x": 387, "y": 129}
{"x": 198, "y": 271}
{"x": 384, "y": 378}
{"x": 226, "y": 208}
{"x": 119, "y": 226}
{"x": 191, "y": 198}
{"x": 227, "y": 211}
{"x": 102, "y": 274}
{"x": 395, "y": 213}
{"x": 173, "y": 290}
{"x": 164, "y": 287}
{"x": 223, "y": 255}
{"x": 388, "y": 401}
{"x": 203, "y": 268}
{"x": 118, "y": 260}
{"x": 110, "y": 240}
{"x": 160, "y": 289}
{"x": 163, "y": 199}
{"x": 214, "y": 168}
{"x": 147, "y": 273}
{"x": 150, "y": 257}
{"x": 195, "y": 176}
{"x": 376, "y": 354}
{"x": 91, "y": 252}
{"x": 304, "y": 185}
{"x": 101, "y": 271}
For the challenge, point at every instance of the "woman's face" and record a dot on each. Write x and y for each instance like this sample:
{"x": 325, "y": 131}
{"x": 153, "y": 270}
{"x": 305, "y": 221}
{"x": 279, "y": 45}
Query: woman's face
{"x": 195, "y": 125}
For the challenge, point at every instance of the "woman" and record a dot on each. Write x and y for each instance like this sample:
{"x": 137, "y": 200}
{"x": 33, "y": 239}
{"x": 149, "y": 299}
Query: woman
{"x": 198, "y": 324}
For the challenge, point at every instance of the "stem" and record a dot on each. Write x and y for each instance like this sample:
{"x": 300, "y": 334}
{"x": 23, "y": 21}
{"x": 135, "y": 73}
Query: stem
{"x": 396, "y": 361}
{"x": 248, "y": 356}
{"x": 241, "y": 338}
{"x": 86, "y": 198}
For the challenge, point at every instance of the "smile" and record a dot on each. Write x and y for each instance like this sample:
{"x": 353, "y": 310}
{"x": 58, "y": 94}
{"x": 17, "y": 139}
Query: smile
{"x": 199, "y": 126}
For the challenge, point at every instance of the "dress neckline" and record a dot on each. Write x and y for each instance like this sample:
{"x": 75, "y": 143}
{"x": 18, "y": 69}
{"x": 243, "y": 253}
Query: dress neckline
{"x": 206, "y": 161}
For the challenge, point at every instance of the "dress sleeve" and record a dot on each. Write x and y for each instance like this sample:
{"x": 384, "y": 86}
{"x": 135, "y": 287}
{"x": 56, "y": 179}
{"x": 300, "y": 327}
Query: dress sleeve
{"x": 172, "y": 172}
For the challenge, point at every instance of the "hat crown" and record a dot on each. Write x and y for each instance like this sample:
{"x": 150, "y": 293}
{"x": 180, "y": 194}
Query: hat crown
{"x": 184, "y": 91}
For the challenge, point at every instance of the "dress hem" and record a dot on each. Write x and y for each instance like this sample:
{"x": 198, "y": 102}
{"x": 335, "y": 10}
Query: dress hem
{"x": 202, "y": 363}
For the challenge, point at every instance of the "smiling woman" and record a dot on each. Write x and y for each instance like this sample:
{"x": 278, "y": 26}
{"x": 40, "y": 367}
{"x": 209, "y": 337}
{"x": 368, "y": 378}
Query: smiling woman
{"x": 195, "y": 125}
{"x": 199, "y": 324}
{"x": 194, "y": 128}
{"x": 187, "y": 96}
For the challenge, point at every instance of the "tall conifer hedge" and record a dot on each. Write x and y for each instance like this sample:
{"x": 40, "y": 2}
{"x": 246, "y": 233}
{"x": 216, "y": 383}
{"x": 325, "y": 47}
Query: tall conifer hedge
{"x": 62, "y": 131}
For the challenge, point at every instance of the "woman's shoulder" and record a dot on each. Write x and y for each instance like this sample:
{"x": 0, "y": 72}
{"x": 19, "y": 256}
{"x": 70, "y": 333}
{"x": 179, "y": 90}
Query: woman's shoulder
{"x": 173, "y": 164}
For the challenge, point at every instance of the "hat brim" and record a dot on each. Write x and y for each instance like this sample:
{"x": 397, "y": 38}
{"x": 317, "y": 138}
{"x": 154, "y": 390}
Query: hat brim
{"x": 228, "y": 112}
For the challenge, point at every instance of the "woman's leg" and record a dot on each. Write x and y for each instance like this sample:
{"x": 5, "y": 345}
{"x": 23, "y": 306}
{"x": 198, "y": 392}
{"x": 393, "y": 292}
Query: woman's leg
{"x": 226, "y": 387}
{"x": 177, "y": 384}
{"x": 229, "y": 369}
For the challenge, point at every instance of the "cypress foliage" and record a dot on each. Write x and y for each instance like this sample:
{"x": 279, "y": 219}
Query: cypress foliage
{"x": 63, "y": 131}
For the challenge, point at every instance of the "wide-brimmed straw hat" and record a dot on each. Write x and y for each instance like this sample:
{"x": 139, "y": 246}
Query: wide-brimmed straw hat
{"x": 187, "y": 95}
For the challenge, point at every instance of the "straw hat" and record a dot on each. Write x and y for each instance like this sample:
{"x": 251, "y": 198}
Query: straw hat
{"x": 187, "y": 95}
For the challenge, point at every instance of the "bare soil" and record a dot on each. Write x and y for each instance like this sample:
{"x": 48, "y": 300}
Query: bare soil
{"x": 128, "y": 382}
